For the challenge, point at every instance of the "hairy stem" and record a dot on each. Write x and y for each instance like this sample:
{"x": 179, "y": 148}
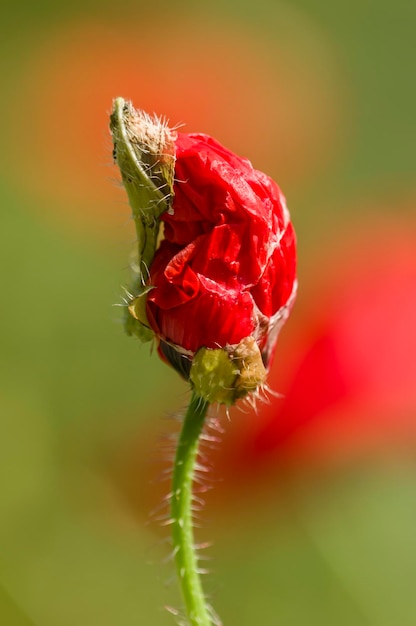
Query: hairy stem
{"x": 181, "y": 508}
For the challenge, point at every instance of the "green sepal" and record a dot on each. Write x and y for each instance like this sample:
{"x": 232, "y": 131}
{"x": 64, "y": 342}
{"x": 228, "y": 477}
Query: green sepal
{"x": 213, "y": 375}
{"x": 134, "y": 328}
{"x": 135, "y": 322}
{"x": 144, "y": 151}
{"x": 225, "y": 375}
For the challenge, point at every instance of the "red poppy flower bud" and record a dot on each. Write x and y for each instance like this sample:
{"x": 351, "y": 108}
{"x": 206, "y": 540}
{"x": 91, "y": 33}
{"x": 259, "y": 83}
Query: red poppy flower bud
{"x": 223, "y": 279}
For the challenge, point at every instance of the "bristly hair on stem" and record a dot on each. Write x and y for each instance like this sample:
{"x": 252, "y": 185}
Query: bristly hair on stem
{"x": 198, "y": 611}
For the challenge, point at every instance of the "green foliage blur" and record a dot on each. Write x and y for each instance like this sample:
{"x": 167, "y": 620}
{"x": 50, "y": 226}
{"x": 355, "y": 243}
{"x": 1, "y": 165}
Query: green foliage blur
{"x": 320, "y": 95}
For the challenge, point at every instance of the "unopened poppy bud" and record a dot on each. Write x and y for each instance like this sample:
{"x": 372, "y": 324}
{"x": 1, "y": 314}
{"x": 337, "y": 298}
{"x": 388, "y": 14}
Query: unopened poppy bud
{"x": 223, "y": 280}
{"x": 144, "y": 151}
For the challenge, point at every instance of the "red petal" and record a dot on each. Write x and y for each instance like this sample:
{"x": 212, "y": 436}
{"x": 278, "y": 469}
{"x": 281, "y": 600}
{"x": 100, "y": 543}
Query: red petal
{"x": 228, "y": 243}
{"x": 214, "y": 318}
{"x": 275, "y": 286}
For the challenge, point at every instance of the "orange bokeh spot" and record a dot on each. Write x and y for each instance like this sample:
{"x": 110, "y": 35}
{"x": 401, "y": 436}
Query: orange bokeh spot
{"x": 259, "y": 99}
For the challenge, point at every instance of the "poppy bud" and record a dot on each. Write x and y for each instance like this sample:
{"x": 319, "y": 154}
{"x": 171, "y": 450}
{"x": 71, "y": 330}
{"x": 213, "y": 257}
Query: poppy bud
{"x": 223, "y": 279}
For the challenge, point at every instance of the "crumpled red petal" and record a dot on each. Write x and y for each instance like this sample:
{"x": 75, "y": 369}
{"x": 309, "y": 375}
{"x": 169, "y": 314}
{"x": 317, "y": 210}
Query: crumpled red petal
{"x": 228, "y": 257}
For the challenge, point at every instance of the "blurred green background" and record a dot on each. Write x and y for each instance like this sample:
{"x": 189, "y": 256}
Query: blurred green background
{"x": 313, "y": 520}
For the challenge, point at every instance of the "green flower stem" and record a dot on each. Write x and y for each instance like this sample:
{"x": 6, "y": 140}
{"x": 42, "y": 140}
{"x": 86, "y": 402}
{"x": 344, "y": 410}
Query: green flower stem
{"x": 181, "y": 509}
